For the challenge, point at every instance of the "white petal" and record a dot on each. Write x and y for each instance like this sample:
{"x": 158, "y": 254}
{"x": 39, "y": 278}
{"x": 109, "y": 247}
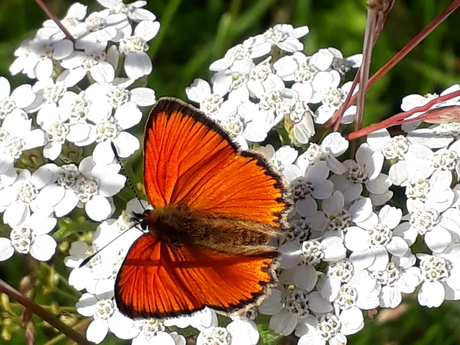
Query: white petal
{"x": 103, "y": 153}
{"x": 361, "y": 260}
{"x": 378, "y": 139}
{"x": 98, "y": 208}
{"x": 272, "y": 304}
{"x": 42, "y": 224}
{"x": 380, "y": 258}
{"x": 128, "y": 115}
{"x": 126, "y": 144}
{"x": 198, "y": 91}
{"x": 143, "y": 96}
{"x": 122, "y": 326}
{"x": 103, "y": 72}
{"x": 141, "y": 14}
{"x": 15, "y": 214}
{"x": 356, "y": 239}
{"x": 35, "y": 138}
{"x": 147, "y": 29}
{"x": 62, "y": 49}
{"x": 283, "y": 322}
{"x": 44, "y": 69}
{"x": 97, "y": 330}
{"x": 6, "y": 249}
{"x": 397, "y": 246}
{"x": 137, "y": 65}
{"x": 5, "y": 88}
{"x": 52, "y": 150}
{"x": 112, "y": 185}
{"x": 361, "y": 210}
{"x": 43, "y": 247}
{"x": 431, "y": 295}
{"x": 419, "y": 159}
{"x": 318, "y": 304}
{"x": 67, "y": 204}
{"x": 23, "y": 96}
{"x": 336, "y": 143}
{"x": 334, "y": 248}
{"x": 438, "y": 239}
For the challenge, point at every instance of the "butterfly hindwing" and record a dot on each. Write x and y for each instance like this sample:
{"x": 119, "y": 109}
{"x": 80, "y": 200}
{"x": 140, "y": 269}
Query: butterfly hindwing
{"x": 158, "y": 280}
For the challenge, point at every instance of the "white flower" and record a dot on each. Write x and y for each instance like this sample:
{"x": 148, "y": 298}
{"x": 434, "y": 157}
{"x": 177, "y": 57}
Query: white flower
{"x": 20, "y": 198}
{"x": 242, "y": 54}
{"x": 263, "y": 80}
{"x": 282, "y": 159}
{"x": 31, "y": 237}
{"x": 400, "y": 276}
{"x": 298, "y": 120}
{"x": 94, "y": 63}
{"x": 310, "y": 186}
{"x": 53, "y": 122}
{"x": 124, "y": 103}
{"x": 132, "y": 10}
{"x": 285, "y": 37}
{"x": 317, "y": 330}
{"x": 325, "y": 86}
{"x": 151, "y": 331}
{"x": 200, "y": 92}
{"x": 137, "y": 62}
{"x": 333, "y": 145}
{"x": 16, "y": 136}
{"x": 104, "y": 314}
{"x": 289, "y": 312}
{"x": 365, "y": 170}
{"x": 239, "y": 331}
{"x": 371, "y": 244}
{"x": 72, "y": 22}
{"x": 244, "y": 120}
{"x": 16, "y": 101}
{"x": 99, "y": 28}
{"x": 441, "y": 277}
{"x": 338, "y": 216}
{"x": 394, "y": 149}
{"x": 97, "y": 183}
{"x": 35, "y": 57}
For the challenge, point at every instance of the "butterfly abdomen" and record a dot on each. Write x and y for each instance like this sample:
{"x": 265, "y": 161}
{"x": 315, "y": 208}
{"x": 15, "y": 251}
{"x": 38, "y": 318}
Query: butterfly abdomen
{"x": 178, "y": 225}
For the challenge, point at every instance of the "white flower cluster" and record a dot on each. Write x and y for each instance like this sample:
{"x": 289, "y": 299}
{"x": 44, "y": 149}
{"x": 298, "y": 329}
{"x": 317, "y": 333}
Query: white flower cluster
{"x": 56, "y": 135}
{"x": 341, "y": 216}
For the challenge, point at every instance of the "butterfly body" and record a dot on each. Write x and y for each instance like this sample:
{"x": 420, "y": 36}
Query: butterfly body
{"x": 215, "y": 210}
{"x": 179, "y": 226}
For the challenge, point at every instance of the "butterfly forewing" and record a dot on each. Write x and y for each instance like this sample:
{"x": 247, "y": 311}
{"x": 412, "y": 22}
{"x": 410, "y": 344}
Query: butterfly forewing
{"x": 189, "y": 160}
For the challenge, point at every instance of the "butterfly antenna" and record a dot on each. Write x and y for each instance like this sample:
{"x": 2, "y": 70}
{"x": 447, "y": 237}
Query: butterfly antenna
{"x": 115, "y": 152}
{"x": 88, "y": 259}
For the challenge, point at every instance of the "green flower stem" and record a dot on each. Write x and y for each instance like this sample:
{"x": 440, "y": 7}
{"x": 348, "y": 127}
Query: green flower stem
{"x": 42, "y": 313}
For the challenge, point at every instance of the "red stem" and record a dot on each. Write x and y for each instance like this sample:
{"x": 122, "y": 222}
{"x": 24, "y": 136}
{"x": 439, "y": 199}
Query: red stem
{"x": 400, "y": 118}
{"x": 52, "y": 16}
{"x": 397, "y": 57}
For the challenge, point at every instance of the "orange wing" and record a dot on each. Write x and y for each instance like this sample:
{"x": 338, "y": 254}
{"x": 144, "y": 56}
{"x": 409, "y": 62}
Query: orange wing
{"x": 158, "y": 280}
{"x": 190, "y": 160}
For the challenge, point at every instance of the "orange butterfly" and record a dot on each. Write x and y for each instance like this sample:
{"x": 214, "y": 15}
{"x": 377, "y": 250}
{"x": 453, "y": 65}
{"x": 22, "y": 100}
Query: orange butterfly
{"x": 215, "y": 210}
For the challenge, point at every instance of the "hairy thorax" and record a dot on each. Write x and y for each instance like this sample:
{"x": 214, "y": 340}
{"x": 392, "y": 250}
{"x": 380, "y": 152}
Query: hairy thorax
{"x": 178, "y": 225}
